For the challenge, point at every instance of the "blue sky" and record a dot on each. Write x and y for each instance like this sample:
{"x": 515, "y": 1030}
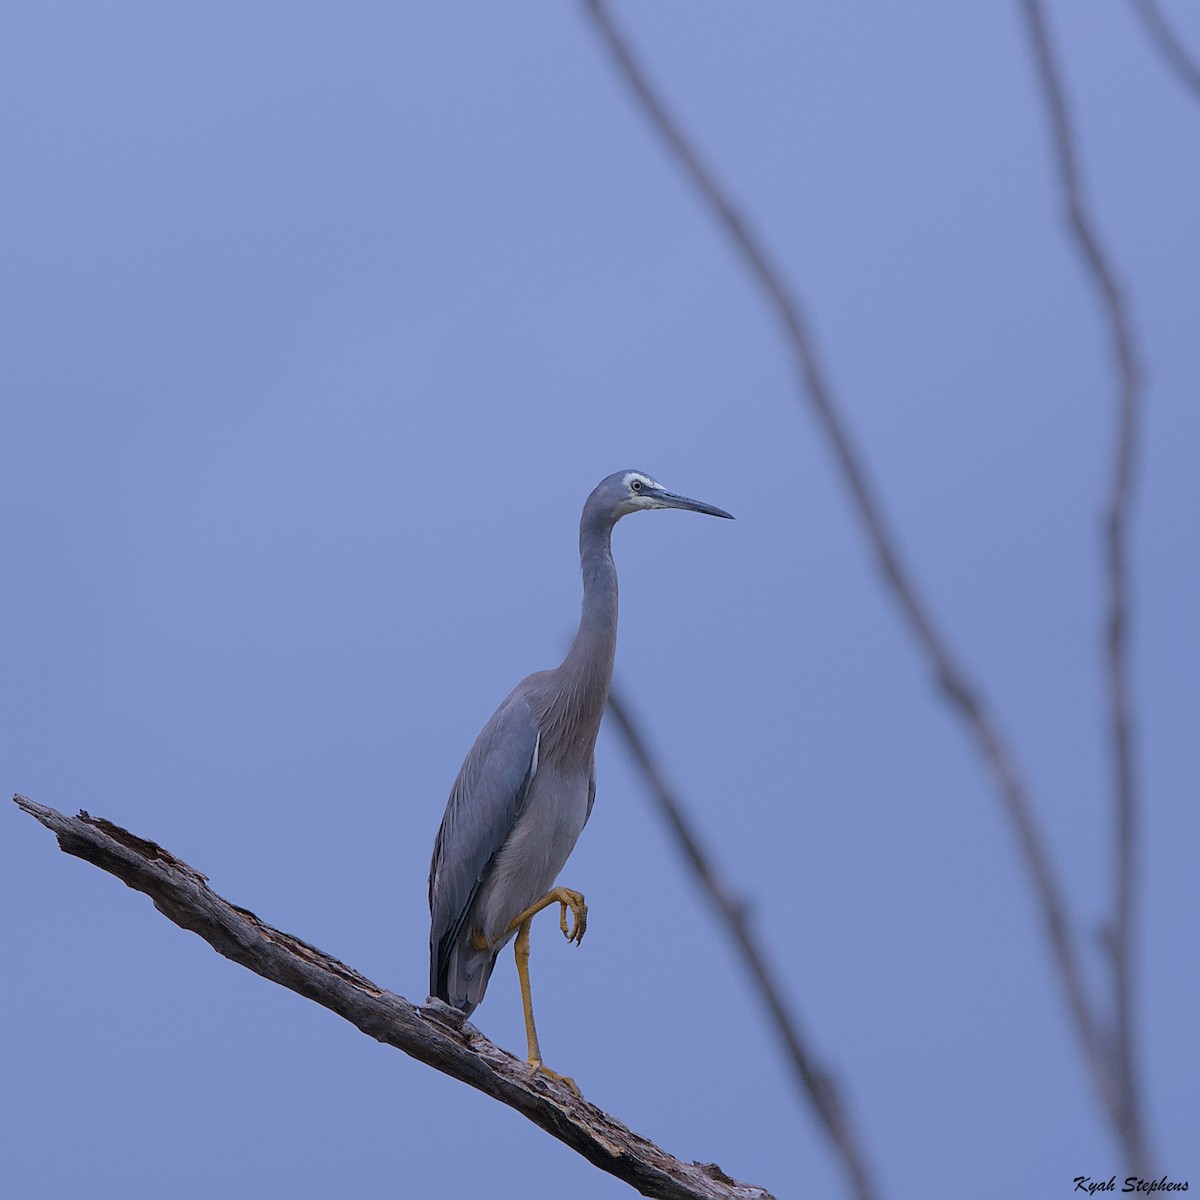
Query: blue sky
{"x": 320, "y": 324}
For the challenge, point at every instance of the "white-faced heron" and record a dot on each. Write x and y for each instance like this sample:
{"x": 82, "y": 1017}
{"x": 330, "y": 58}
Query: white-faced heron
{"x": 525, "y": 791}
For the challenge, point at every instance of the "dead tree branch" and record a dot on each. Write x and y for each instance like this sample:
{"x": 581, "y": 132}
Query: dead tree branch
{"x": 1127, "y": 1105}
{"x": 435, "y": 1034}
{"x": 966, "y": 702}
{"x": 818, "y": 1084}
{"x": 1168, "y": 43}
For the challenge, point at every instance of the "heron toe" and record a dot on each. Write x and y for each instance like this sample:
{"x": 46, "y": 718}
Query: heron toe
{"x": 539, "y": 1068}
{"x": 578, "y": 907}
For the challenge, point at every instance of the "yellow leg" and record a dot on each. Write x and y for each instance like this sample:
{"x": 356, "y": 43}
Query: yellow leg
{"x": 521, "y": 924}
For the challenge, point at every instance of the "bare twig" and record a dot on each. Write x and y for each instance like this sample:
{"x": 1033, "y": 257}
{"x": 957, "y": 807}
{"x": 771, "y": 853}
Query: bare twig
{"x": 1168, "y": 43}
{"x": 435, "y": 1035}
{"x": 818, "y": 1085}
{"x": 950, "y": 675}
{"x": 1128, "y": 1109}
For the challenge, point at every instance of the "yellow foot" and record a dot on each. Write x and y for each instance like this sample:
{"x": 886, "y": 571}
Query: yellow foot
{"x": 539, "y": 1068}
{"x": 575, "y": 902}
{"x": 566, "y": 899}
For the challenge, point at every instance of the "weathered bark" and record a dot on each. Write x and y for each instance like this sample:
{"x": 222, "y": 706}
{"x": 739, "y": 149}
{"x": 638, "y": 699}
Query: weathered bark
{"x": 434, "y": 1034}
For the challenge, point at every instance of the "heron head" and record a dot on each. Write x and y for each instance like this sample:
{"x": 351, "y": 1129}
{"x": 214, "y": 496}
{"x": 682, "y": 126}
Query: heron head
{"x": 632, "y": 491}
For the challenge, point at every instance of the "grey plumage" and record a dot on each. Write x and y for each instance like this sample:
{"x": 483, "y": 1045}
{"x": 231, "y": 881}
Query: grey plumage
{"x": 527, "y": 786}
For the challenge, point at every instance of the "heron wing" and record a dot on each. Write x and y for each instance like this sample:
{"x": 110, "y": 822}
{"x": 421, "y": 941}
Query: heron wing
{"x": 484, "y": 804}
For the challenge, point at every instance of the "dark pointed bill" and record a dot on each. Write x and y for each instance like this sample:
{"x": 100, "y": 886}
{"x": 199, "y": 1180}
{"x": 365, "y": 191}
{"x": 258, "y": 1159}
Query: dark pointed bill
{"x": 670, "y": 500}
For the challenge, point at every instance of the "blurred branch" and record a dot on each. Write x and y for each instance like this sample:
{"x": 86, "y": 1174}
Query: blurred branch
{"x": 946, "y": 669}
{"x": 1128, "y": 1108}
{"x": 1169, "y": 45}
{"x": 818, "y": 1084}
{"x": 436, "y": 1035}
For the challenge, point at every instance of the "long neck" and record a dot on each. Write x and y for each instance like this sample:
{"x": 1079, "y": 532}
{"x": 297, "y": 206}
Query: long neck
{"x": 581, "y": 683}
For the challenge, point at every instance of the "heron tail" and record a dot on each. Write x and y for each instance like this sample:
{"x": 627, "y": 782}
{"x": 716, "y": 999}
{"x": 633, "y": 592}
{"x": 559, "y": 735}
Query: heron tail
{"x": 465, "y": 976}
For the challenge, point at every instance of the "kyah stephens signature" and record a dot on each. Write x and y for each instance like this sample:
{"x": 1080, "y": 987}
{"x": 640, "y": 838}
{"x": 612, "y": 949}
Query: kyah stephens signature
{"x": 1085, "y": 1183}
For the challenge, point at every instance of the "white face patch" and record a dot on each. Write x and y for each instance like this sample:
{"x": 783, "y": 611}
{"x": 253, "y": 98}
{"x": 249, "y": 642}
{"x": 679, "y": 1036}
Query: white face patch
{"x": 645, "y": 480}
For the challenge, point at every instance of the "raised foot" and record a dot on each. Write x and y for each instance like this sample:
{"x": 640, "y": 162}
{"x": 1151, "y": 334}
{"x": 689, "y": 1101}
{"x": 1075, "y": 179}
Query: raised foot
{"x": 574, "y": 901}
{"x": 539, "y": 1068}
{"x": 566, "y": 899}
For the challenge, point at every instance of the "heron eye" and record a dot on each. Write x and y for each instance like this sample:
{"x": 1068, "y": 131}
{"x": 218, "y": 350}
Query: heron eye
{"x": 636, "y": 485}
